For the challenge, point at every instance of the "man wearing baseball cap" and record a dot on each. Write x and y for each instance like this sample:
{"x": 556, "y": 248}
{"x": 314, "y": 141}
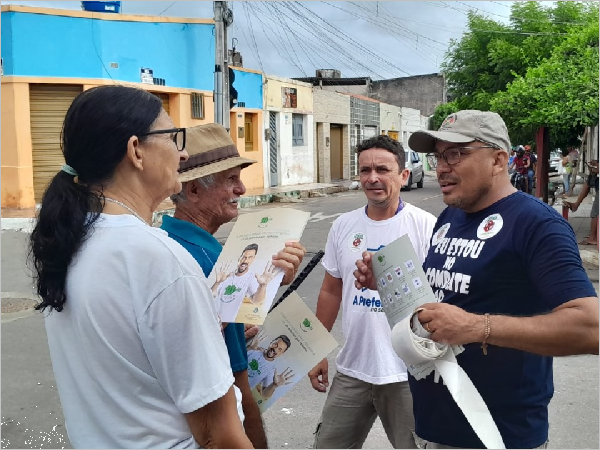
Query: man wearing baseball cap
{"x": 209, "y": 198}
{"x": 506, "y": 271}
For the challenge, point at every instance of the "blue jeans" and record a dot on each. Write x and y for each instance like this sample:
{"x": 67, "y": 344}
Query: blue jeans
{"x": 530, "y": 178}
{"x": 566, "y": 177}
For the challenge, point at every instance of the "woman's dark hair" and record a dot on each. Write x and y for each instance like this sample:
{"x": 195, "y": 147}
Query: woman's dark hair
{"x": 387, "y": 143}
{"x": 96, "y": 130}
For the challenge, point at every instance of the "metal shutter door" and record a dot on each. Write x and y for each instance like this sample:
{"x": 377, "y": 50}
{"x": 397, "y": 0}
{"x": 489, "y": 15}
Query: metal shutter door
{"x": 48, "y": 104}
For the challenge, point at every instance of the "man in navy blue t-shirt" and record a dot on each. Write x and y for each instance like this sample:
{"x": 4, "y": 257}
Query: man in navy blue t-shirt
{"x": 211, "y": 189}
{"x": 511, "y": 288}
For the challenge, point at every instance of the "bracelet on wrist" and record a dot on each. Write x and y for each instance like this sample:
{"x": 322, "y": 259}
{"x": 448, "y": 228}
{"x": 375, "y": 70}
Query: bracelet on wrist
{"x": 486, "y": 333}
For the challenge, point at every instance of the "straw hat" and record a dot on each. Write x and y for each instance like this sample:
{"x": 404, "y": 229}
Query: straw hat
{"x": 211, "y": 150}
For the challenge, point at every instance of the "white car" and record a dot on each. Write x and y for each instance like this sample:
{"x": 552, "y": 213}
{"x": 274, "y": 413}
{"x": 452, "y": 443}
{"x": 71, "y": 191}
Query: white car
{"x": 555, "y": 159}
{"x": 415, "y": 166}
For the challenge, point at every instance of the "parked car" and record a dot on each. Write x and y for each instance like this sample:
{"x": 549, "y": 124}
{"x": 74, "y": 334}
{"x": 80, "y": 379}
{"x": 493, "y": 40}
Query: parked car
{"x": 415, "y": 167}
{"x": 555, "y": 158}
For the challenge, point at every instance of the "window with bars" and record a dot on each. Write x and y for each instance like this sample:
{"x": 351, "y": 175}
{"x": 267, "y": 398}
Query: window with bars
{"x": 197, "y": 101}
{"x": 289, "y": 97}
{"x": 297, "y": 130}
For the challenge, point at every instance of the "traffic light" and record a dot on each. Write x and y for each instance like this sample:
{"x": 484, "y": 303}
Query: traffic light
{"x": 233, "y": 93}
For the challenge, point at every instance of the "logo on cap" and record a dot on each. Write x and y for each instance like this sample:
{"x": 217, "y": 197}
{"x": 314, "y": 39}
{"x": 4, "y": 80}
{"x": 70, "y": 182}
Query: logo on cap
{"x": 448, "y": 121}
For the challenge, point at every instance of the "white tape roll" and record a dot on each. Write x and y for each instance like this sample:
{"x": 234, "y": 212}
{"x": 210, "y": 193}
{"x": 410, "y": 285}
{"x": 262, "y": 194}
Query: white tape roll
{"x": 422, "y": 356}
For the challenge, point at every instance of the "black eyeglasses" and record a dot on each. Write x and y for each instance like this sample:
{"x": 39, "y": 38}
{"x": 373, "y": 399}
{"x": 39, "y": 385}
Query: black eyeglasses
{"x": 178, "y": 136}
{"x": 452, "y": 155}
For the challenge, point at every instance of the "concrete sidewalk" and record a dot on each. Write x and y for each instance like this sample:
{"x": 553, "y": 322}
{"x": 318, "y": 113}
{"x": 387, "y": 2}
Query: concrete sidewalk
{"x": 580, "y": 221}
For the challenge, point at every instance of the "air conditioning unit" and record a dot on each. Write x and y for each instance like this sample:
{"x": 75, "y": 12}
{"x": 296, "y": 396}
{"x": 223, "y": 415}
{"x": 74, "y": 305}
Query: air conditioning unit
{"x": 328, "y": 73}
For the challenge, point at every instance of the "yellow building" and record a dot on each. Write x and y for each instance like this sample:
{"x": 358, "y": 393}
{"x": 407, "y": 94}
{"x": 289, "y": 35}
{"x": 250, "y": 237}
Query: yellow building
{"x": 44, "y": 71}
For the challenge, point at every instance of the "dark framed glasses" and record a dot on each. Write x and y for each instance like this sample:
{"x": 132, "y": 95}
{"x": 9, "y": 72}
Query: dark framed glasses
{"x": 452, "y": 155}
{"x": 177, "y": 136}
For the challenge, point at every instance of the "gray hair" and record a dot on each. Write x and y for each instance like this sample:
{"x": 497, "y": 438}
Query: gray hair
{"x": 206, "y": 182}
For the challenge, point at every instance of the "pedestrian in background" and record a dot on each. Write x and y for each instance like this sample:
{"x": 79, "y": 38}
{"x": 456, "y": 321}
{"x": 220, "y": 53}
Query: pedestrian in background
{"x": 567, "y": 167}
{"x": 532, "y": 167}
{"x": 574, "y": 156}
{"x": 591, "y": 182}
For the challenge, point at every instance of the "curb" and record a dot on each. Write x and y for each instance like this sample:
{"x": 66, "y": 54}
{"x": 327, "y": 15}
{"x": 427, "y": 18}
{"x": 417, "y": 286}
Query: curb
{"x": 293, "y": 196}
{"x": 27, "y": 311}
{"x": 589, "y": 257}
{"x": 11, "y": 317}
{"x": 17, "y": 224}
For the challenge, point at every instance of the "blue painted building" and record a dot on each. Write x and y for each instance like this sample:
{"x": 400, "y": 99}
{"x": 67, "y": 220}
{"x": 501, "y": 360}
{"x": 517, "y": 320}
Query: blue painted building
{"x": 49, "y": 56}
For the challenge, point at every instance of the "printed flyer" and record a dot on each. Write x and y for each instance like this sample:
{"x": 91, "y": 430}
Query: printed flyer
{"x": 244, "y": 281}
{"x": 291, "y": 342}
{"x": 401, "y": 282}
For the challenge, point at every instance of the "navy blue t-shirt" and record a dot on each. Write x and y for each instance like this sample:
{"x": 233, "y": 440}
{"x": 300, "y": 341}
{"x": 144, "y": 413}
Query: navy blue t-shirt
{"x": 518, "y": 257}
{"x": 206, "y": 250}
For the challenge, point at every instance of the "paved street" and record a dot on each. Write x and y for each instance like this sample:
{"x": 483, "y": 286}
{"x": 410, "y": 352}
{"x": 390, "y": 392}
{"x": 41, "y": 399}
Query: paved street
{"x": 31, "y": 413}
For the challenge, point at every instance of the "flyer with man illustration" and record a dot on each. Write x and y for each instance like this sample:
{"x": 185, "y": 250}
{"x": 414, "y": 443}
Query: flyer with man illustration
{"x": 244, "y": 281}
{"x": 291, "y": 342}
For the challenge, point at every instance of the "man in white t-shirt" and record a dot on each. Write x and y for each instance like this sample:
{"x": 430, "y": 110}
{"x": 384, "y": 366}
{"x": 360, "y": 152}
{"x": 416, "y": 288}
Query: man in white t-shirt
{"x": 371, "y": 380}
{"x": 230, "y": 288}
{"x": 262, "y": 373}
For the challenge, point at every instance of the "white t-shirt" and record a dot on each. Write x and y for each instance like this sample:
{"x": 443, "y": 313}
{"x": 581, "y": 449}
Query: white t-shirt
{"x": 260, "y": 371}
{"x": 138, "y": 343}
{"x": 232, "y": 291}
{"x": 367, "y": 353}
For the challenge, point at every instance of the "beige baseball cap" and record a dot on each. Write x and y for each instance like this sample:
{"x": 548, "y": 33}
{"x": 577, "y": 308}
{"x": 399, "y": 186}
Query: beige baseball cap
{"x": 461, "y": 127}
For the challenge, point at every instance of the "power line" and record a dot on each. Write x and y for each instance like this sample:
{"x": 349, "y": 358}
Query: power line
{"x": 252, "y": 35}
{"x": 379, "y": 24}
{"x": 271, "y": 15}
{"x": 394, "y": 24}
{"x": 274, "y": 32}
{"x": 168, "y": 7}
{"x": 302, "y": 47}
{"x": 348, "y": 39}
{"x": 319, "y": 31}
{"x": 399, "y": 24}
{"x": 285, "y": 30}
{"x": 501, "y": 4}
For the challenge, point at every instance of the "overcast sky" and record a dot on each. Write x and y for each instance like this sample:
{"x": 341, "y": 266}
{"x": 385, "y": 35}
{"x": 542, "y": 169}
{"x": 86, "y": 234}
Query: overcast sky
{"x": 386, "y": 39}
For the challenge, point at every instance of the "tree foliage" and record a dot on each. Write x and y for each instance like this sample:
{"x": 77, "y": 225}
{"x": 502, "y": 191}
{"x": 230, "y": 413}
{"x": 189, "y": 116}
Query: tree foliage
{"x": 539, "y": 70}
{"x": 443, "y": 111}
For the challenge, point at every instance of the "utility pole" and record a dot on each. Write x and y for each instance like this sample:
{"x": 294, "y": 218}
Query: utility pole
{"x": 223, "y": 18}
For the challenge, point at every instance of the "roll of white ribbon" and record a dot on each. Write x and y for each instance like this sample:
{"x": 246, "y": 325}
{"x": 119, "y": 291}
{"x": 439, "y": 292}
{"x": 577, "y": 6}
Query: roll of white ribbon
{"x": 422, "y": 356}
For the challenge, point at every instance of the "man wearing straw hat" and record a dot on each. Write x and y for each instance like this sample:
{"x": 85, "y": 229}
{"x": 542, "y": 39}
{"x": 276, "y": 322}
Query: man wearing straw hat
{"x": 209, "y": 198}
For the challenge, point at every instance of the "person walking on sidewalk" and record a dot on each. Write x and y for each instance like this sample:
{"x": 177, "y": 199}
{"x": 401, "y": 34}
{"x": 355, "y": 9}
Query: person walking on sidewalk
{"x": 132, "y": 322}
{"x": 565, "y": 167}
{"x": 574, "y": 158}
{"x": 370, "y": 379}
{"x": 532, "y": 167}
{"x": 211, "y": 188}
{"x": 591, "y": 182}
{"x": 507, "y": 306}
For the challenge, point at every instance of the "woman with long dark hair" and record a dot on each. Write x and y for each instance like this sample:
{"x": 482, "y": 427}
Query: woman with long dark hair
{"x": 134, "y": 336}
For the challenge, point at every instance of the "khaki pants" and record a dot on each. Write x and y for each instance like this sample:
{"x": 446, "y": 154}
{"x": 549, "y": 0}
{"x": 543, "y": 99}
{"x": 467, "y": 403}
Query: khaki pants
{"x": 353, "y": 405}
{"x": 433, "y": 445}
